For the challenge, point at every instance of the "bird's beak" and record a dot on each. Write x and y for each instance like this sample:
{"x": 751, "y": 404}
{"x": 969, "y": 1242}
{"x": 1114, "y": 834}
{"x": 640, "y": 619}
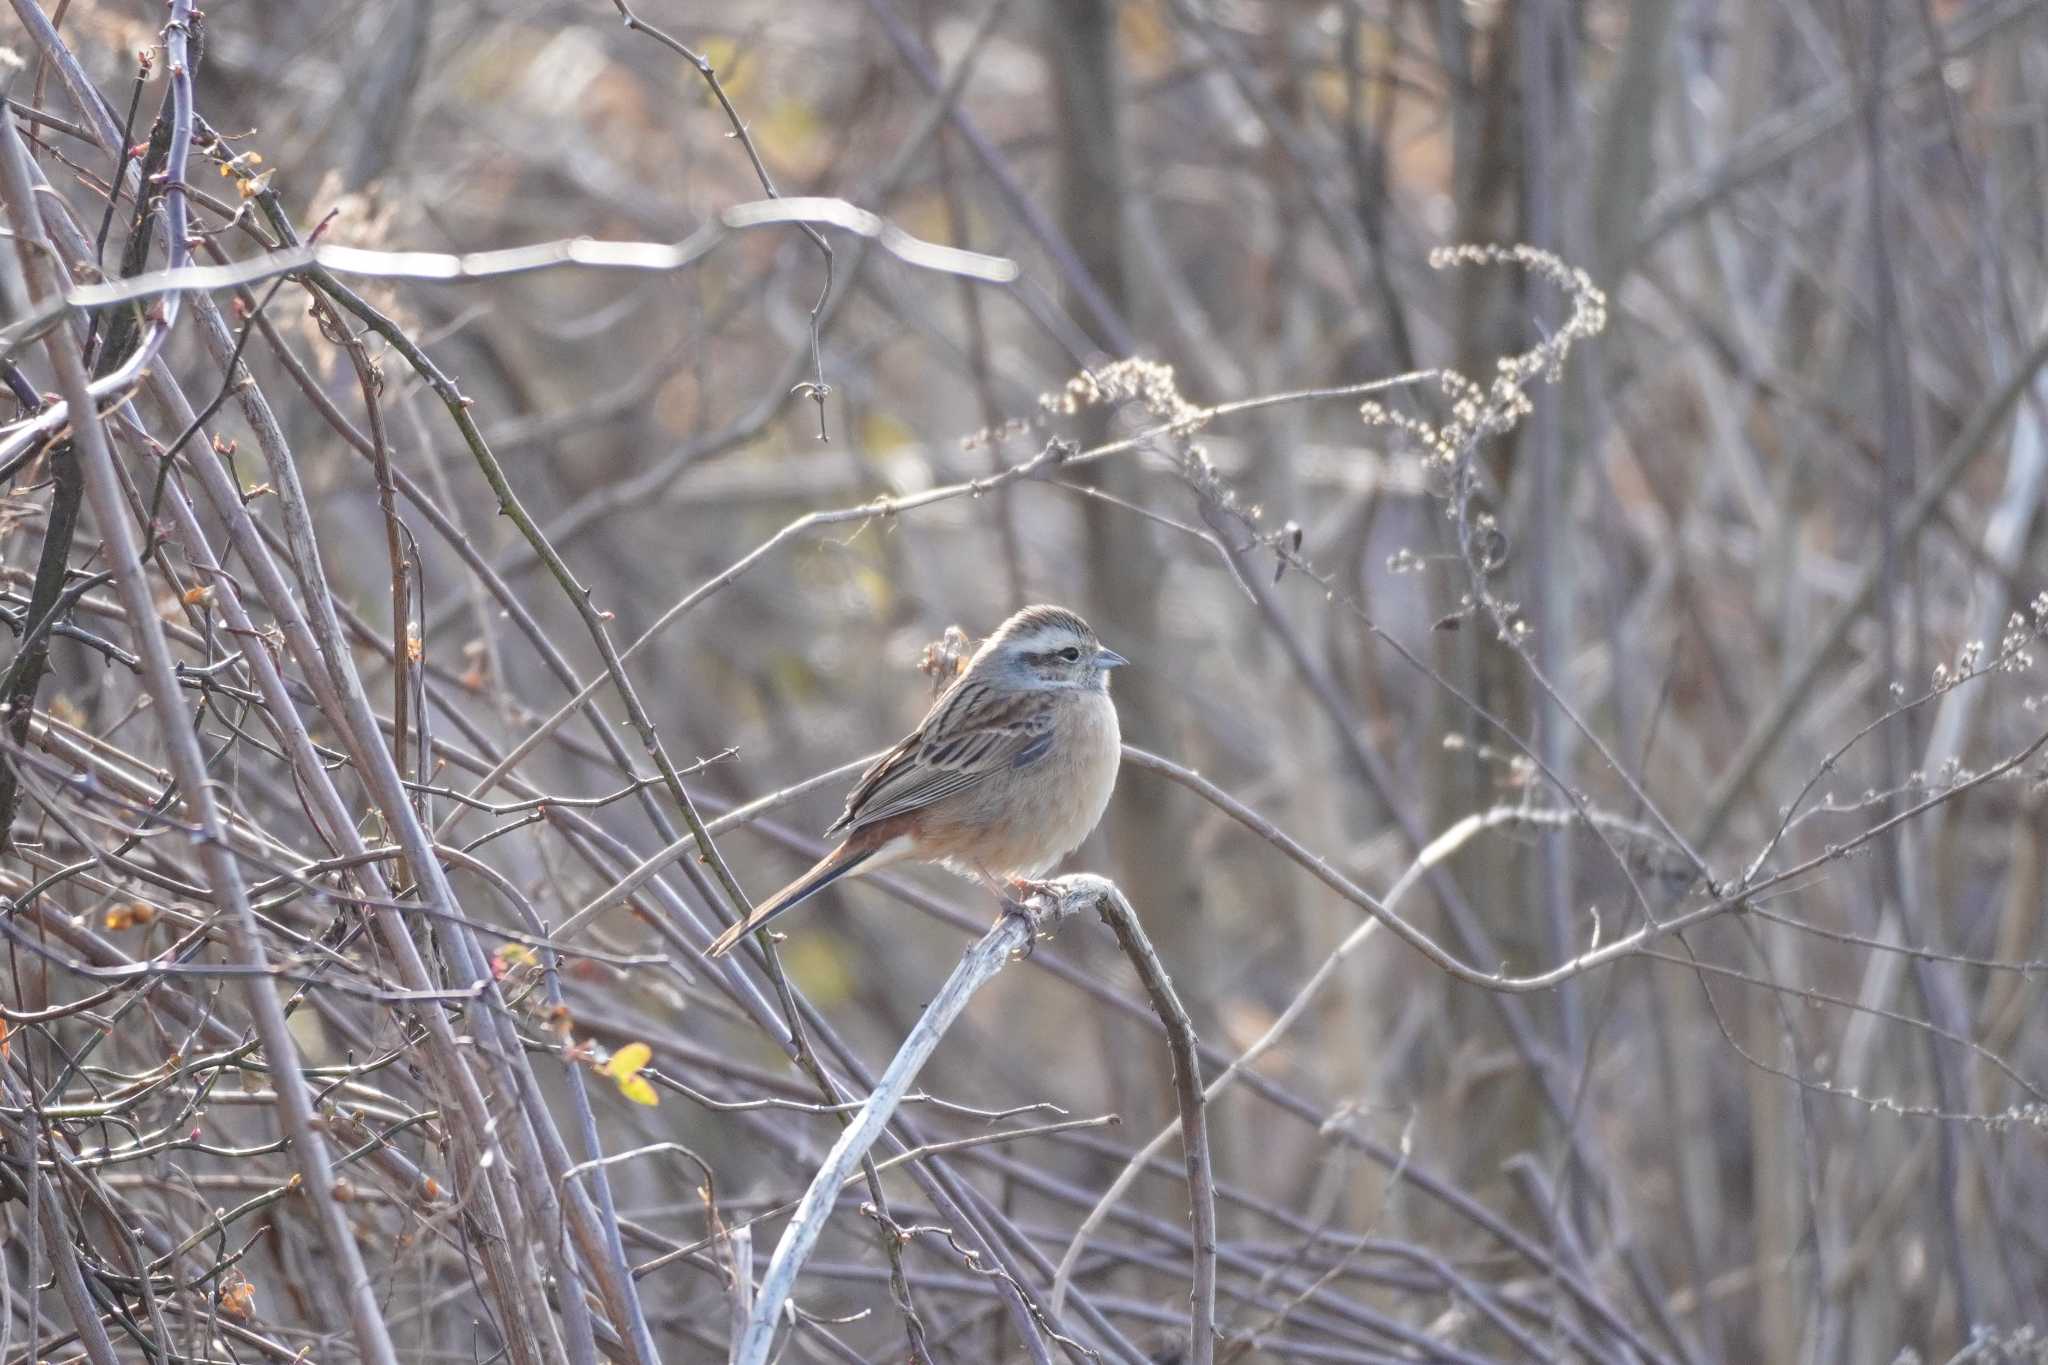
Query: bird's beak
{"x": 1109, "y": 658}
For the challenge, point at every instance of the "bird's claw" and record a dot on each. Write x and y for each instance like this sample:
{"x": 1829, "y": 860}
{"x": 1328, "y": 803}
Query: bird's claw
{"x": 1025, "y": 889}
{"x": 1022, "y": 898}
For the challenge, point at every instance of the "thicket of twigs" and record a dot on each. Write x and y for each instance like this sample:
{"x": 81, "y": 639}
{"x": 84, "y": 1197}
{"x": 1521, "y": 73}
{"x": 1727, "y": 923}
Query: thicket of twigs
{"x": 481, "y": 476}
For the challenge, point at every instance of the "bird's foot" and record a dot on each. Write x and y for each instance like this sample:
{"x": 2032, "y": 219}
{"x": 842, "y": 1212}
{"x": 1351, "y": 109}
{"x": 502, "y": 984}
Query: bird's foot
{"x": 1024, "y": 889}
{"x": 1034, "y": 902}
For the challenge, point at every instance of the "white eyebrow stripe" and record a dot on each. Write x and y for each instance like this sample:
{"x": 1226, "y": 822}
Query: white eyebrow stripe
{"x": 1045, "y": 643}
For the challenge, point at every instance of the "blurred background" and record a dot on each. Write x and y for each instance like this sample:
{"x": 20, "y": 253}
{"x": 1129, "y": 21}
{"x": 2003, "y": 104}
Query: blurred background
{"x": 1727, "y": 642}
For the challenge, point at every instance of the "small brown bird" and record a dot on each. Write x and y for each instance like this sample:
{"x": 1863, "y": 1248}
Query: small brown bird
{"x": 1004, "y": 776}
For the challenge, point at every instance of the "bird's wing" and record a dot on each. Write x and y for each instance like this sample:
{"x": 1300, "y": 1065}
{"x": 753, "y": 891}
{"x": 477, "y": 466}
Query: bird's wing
{"x": 969, "y": 733}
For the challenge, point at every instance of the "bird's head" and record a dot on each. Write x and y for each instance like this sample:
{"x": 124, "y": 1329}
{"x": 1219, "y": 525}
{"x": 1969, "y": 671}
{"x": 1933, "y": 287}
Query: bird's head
{"x": 1048, "y": 647}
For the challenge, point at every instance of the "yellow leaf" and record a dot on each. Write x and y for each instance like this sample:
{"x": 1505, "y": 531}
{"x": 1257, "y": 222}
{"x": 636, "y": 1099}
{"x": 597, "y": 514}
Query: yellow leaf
{"x": 624, "y": 1067}
{"x": 628, "y": 1060}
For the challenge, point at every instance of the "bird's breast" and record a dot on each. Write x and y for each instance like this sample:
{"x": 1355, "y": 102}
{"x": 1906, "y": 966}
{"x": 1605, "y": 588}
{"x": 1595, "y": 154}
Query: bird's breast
{"x": 1087, "y": 755}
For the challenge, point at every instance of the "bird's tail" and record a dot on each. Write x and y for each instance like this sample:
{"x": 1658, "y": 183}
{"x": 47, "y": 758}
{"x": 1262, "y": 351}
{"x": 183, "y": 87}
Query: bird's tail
{"x": 828, "y": 869}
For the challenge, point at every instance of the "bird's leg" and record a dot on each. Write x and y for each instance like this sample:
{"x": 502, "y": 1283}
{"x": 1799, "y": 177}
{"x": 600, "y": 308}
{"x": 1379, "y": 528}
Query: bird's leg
{"x": 1028, "y": 888}
{"x": 1038, "y": 901}
{"x": 998, "y": 887}
{"x": 1014, "y": 891}
{"x": 1017, "y": 895}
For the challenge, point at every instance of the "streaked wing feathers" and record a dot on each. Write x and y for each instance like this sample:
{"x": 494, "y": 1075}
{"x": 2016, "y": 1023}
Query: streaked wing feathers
{"x": 969, "y": 733}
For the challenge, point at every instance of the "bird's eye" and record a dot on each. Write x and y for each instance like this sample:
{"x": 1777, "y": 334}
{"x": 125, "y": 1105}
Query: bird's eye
{"x": 1071, "y": 654}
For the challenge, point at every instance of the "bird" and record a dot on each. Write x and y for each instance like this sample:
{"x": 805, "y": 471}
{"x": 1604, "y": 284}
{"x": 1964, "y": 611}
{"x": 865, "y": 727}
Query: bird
{"x": 1006, "y": 774}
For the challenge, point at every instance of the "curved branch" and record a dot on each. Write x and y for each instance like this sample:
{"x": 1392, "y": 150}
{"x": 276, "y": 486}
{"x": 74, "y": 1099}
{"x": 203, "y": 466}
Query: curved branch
{"x": 998, "y": 947}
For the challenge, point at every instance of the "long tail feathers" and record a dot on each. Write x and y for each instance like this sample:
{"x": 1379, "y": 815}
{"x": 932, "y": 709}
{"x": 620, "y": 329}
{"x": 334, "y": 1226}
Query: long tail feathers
{"x": 827, "y": 870}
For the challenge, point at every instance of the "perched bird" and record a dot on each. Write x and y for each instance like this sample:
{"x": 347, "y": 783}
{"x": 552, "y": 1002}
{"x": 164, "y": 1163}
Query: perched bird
{"x": 1004, "y": 776}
